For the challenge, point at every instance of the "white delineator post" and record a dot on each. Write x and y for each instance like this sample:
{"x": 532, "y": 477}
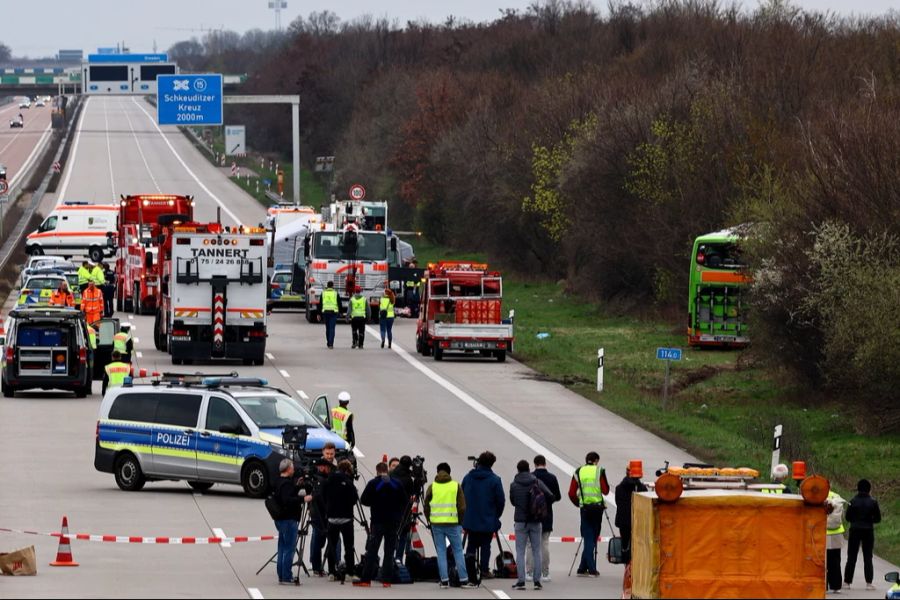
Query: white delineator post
{"x": 600, "y": 370}
{"x": 776, "y": 449}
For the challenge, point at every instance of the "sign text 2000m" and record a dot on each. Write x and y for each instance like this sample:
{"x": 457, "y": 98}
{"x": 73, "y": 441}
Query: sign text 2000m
{"x": 186, "y": 110}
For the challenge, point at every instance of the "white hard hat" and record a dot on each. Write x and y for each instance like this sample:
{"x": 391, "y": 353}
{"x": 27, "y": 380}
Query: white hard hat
{"x": 780, "y": 472}
{"x": 344, "y": 397}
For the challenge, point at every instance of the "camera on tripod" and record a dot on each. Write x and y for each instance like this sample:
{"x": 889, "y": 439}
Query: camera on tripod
{"x": 420, "y": 477}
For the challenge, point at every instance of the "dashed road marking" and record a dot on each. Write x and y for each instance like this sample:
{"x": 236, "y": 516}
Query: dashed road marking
{"x": 500, "y": 594}
{"x": 137, "y": 340}
{"x": 255, "y": 594}
{"x": 358, "y": 452}
{"x": 284, "y": 373}
{"x": 270, "y": 356}
{"x": 302, "y": 394}
{"x": 140, "y": 354}
{"x": 217, "y": 531}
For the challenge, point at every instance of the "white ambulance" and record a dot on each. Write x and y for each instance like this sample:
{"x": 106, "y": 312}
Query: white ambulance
{"x": 76, "y": 228}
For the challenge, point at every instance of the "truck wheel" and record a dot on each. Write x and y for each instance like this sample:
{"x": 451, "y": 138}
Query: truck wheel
{"x": 157, "y": 341}
{"x": 136, "y": 300}
{"x": 177, "y": 361}
{"x": 255, "y": 479}
{"x": 95, "y": 254}
{"x": 129, "y": 476}
{"x": 438, "y": 354}
{"x": 501, "y": 355}
{"x": 119, "y": 302}
{"x": 8, "y": 390}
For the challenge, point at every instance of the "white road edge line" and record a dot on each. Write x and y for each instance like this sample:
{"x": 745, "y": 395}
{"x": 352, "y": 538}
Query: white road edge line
{"x": 255, "y": 594}
{"x": 358, "y": 452}
{"x": 270, "y": 356}
{"x": 112, "y": 177}
{"x": 490, "y": 415}
{"x": 141, "y": 151}
{"x": 70, "y": 162}
{"x": 217, "y": 531}
{"x": 284, "y": 373}
{"x": 500, "y": 594}
{"x": 184, "y": 164}
{"x": 140, "y": 354}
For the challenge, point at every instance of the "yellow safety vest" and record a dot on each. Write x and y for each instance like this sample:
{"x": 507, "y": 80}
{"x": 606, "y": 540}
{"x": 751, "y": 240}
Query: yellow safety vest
{"x": 443, "y": 503}
{"x": 92, "y": 337}
{"x": 97, "y": 276}
{"x": 358, "y": 307}
{"x": 771, "y": 491}
{"x": 837, "y": 530}
{"x": 84, "y": 275}
{"x": 339, "y": 418}
{"x": 120, "y": 342}
{"x": 388, "y": 306}
{"x": 330, "y": 300}
{"x": 589, "y": 485}
{"x": 117, "y": 372}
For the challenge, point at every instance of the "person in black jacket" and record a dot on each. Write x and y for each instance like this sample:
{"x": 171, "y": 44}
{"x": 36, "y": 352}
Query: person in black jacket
{"x": 318, "y": 518}
{"x": 340, "y": 496}
{"x": 385, "y": 496}
{"x": 402, "y": 472}
{"x": 552, "y": 483}
{"x": 288, "y": 499}
{"x": 630, "y": 485}
{"x": 862, "y": 514}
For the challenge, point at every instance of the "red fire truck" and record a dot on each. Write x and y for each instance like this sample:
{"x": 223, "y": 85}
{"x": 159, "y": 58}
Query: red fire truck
{"x": 460, "y": 311}
{"x": 137, "y": 258}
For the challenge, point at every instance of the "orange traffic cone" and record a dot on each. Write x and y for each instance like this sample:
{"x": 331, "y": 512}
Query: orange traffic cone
{"x": 414, "y": 539}
{"x": 64, "y": 554}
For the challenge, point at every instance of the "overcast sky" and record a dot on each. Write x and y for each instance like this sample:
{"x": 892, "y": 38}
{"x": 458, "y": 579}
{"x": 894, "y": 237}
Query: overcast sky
{"x": 37, "y": 29}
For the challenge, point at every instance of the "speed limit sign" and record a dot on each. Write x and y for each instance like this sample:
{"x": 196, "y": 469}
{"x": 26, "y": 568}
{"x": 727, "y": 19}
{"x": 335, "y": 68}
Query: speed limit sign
{"x": 357, "y": 192}
{"x": 4, "y": 187}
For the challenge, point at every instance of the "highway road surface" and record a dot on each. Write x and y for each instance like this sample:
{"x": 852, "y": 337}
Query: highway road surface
{"x": 404, "y": 404}
{"x": 18, "y": 146}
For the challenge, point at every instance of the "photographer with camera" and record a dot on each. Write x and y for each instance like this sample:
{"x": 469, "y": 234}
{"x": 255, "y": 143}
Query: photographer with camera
{"x": 485, "y": 501}
{"x": 285, "y": 507}
{"x": 385, "y": 497}
{"x": 340, "y": 496}
{"x": 318, "y": 518}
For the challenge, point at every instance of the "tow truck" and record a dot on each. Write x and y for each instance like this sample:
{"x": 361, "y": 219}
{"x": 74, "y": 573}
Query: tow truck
{"x": 137, "y": 255}
{"x": 460, "y": 311}
{"x": 214, "y": 291}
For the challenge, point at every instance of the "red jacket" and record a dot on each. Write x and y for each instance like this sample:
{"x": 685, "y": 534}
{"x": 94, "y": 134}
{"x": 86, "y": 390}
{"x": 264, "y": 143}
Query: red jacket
{"x": 574, "y": 488}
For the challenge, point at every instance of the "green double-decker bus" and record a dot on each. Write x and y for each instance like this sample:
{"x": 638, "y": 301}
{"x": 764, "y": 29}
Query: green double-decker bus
{"x": 717, "y": 307}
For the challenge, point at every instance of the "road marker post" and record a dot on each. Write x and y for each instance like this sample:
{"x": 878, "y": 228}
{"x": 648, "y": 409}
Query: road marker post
{"x": 600, "y": 369}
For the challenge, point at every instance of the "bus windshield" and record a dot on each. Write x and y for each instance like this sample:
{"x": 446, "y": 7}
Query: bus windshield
{"x": 330, "y": 245}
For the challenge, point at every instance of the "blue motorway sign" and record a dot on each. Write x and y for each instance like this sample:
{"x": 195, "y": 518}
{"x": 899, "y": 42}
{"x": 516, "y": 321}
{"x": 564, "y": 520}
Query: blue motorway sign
{"x": 104, "y": 57}
{"x": 189, "y": 99}
{"x": 668, "y": 353}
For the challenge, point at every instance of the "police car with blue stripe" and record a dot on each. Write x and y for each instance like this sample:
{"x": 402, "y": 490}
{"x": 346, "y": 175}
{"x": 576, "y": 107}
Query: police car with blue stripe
{"x": 206, "y": 430}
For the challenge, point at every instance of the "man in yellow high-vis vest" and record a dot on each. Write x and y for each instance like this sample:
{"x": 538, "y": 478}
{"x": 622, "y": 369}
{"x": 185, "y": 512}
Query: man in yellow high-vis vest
{"x": 386, "y": 316}
{"x": 122, "y": 342}
{"x": 331, "y": 308}
{"x": 359, "y": 314}
{"x": 834, "y": 523}
{"x": 445, "y": 508}
{"x": 115, "y": 372}
{"x": 342, "y": 419}
{"x": 589, "y": 485}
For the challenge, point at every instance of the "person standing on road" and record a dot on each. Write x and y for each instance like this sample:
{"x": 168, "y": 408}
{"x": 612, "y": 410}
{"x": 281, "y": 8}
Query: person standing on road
{"x": 122, "y": 342}
{"x": 342, "y": 419}
{"x": 862, "y": 514}
{"x": 629, "y": 485}
{"x": 525, "y": 493}
{"x": 287, "y": 520}
{"x": 485, "y": 502}
{"x": 445, "y": 508}
{"x": 402, "y": 472}
{"x": 98, "y": 276}
{"x": 386, "y": 316}
{"x": 834, "y": 530}
{"x": 84, "y": 276}
{"x": 340, "y": 497}
{"x": 92, "y": 303}
{"x": 552, "y": 483}
{"x": 359, "y": 314}
{"x": 109, "y": 290}
{"x": 331, "y": 308}
{"x": 387, "y": 500}
{"x": 62, "y": 296}
{"x": 115, "y": 372}
{"x": 318, "y": 519}
{"x": 586, "y": 491}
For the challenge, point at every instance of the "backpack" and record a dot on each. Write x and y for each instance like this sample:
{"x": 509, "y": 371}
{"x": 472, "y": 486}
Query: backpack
{"x": 538, "y": 509}
{"x": 273, "y": 506}
{"x": 505, "y": 563}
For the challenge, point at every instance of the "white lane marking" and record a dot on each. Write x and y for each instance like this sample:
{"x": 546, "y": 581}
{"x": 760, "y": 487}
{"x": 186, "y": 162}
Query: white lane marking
{"x": 130, "y": 317}
{"x": 70, "y": 163}
{"x": 269, "y": 356}
{"x": 137, "y": 340}
{"x": 217, "y": 531}
{"x": 490, "y": 415}
{"x": 284, "y": 373}
{"x": 358, "y": 452}
{"x": 500, "y": 594}
{"x": 302, "y": 394}
{"x": 255, "y": 594}
{"x": 184, "y": 164}
{"x": 112, "y": 179}
{"x": 140, "y": 354}
{"x": 141, "y": 152}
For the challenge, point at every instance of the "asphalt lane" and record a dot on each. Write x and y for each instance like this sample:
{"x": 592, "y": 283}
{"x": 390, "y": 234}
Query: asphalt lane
{"x": 404, "y": 404}
{"x": 17, "y": 145}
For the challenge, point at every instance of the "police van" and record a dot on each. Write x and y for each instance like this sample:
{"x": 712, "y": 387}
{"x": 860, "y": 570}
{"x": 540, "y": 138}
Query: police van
{"x": 77, "y": 228}
{"x": 205, "y": 430}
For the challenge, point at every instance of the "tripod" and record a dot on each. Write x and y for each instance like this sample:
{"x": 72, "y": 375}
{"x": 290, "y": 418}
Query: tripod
{"x": 409, "y": 516}
{"x": 302, "y": 532}
{"x": 596, "y": 544}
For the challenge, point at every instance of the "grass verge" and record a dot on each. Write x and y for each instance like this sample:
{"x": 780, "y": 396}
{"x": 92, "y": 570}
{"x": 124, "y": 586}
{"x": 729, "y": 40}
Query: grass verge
{"x": 722, "y": 408}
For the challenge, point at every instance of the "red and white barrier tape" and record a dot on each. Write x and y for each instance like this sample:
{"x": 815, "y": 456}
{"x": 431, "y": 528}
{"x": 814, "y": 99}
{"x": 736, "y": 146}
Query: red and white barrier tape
{"x": 511, "y": 537}
{"x": 125, "y": 539}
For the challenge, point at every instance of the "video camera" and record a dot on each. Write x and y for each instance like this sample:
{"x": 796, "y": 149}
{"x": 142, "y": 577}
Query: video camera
{"x": 420, "y": 477}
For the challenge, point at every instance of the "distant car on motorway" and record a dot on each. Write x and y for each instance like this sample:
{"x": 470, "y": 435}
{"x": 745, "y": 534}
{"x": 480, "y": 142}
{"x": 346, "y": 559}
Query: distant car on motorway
{"x": 39, "y": 103}
{"x": 17, "y": 123}
{"x": 42, "y": 261}
{"x": 38, "y": 289}
{"x": 25, "y": 104}
{"x": 206, "y": 430}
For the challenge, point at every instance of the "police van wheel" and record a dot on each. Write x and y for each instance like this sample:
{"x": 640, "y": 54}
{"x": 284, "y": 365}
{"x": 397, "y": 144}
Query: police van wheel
{"x": 129, "y": 476}
{"x": 200, "y": 486}
{"x": 81, "y": 392}
{"x": 255, "y": 479}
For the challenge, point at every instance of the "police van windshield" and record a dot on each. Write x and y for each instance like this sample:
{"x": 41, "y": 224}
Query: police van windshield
{"x": 369, "y": 246}
{"x": 276, "y": 411}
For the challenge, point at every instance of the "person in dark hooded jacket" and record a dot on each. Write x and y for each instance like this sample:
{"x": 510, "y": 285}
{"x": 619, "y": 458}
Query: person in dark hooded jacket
{"x": 863, "y": 514}
{"x": 527, "y": 526}
{"x": 485, "y": 502}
